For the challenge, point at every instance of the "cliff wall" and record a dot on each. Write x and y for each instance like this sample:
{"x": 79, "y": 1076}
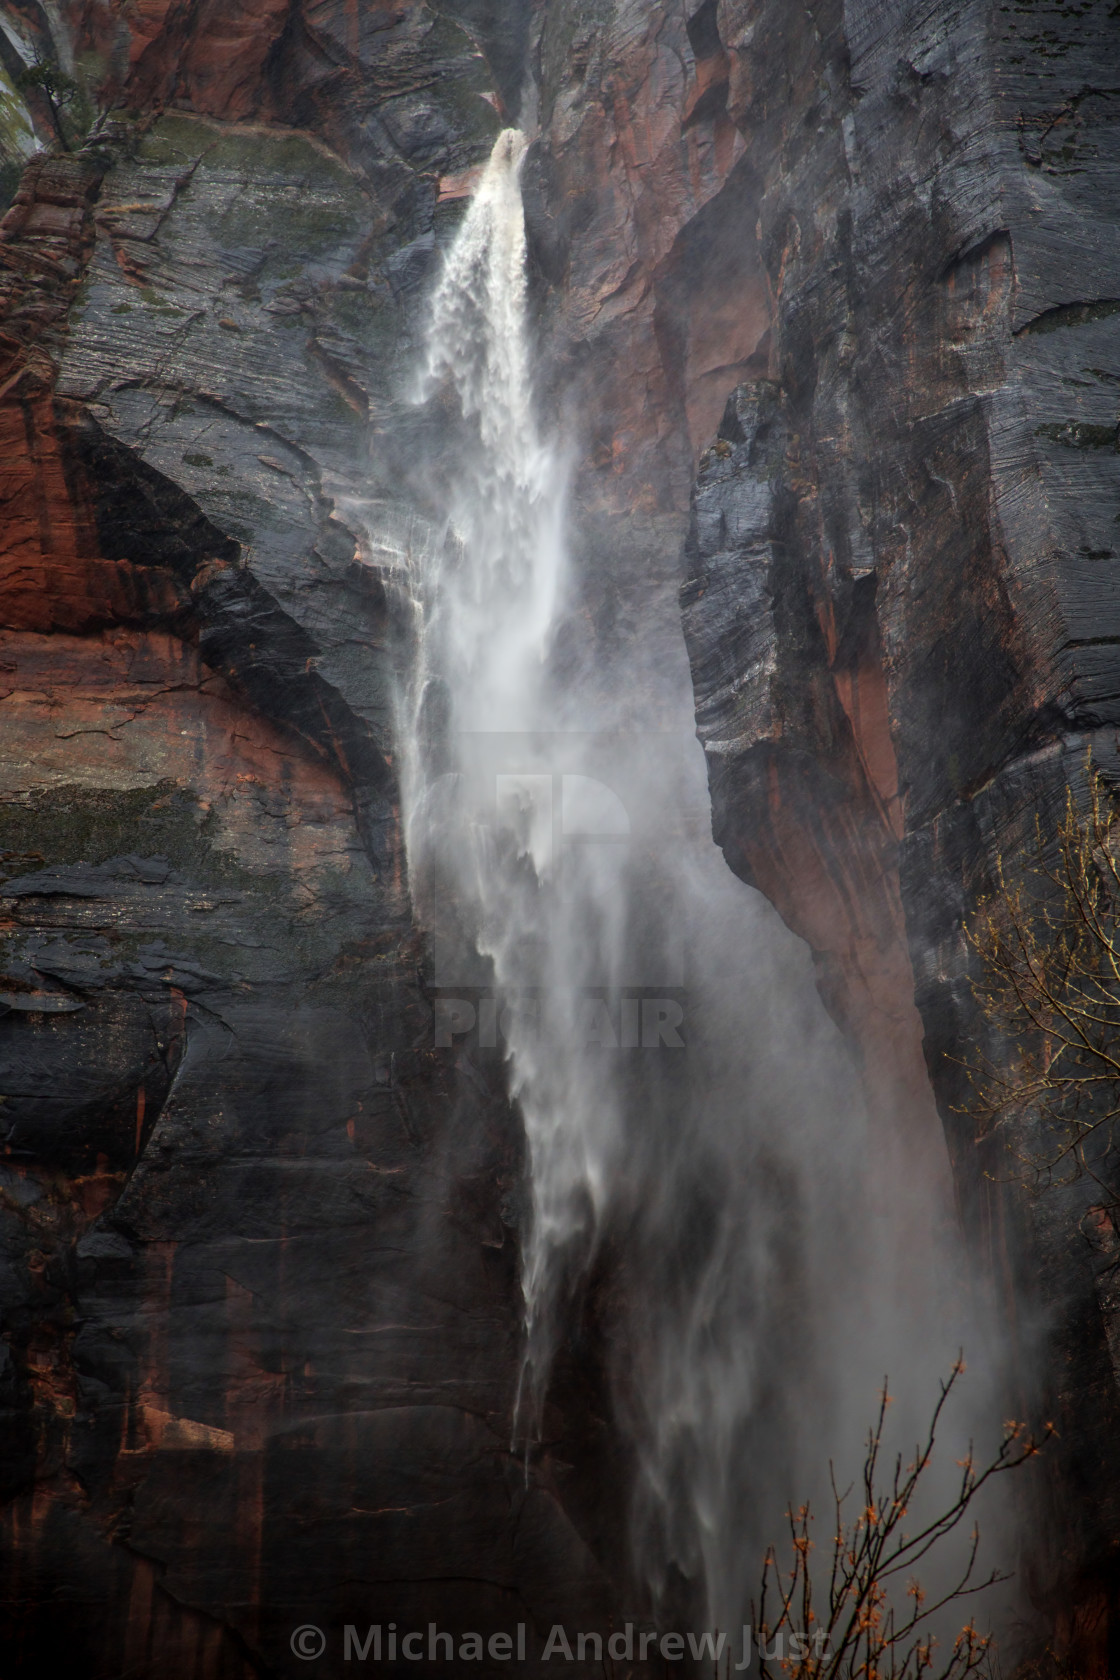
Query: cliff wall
{"x": 902, "y": 584}
{"x": 259, "y": 1275}
{"x": 826, "y": 302}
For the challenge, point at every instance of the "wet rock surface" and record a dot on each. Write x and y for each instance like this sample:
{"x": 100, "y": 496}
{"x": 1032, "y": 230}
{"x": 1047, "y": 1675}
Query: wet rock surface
{"x": 259, "y": 1277}
{"x": 920, "y": 652}
{"x": 259, "y": 1236}
{"x": 260, "y": 1284}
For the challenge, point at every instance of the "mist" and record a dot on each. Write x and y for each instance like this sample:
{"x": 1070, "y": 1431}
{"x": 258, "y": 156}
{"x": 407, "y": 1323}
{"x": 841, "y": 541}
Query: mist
{"x": 756, "y": 1250}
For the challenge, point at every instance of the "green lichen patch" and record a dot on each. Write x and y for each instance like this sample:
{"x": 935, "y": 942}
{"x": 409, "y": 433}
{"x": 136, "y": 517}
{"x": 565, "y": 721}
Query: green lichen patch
{"x": 1080, "y": 434}
{"x": 237, "y": 916}
{"x": 70, "y": 824}
{"x": 1072, "y": 315}
{"x": 270, "y": 156}
{"x": 175, "y": 141}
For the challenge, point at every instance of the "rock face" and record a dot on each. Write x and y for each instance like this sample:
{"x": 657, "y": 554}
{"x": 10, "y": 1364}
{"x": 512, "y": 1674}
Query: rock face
{"x": 259, "y": 1275}
{"x": 258, "y": 1263}
{"x": 901, "y": 576}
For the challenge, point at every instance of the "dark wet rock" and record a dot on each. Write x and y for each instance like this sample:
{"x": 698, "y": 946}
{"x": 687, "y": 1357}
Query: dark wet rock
{"x": 257, "y": 1235}
{"x": 920, "y": 647}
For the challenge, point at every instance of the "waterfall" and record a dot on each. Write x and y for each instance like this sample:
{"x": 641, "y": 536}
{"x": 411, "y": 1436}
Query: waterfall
{"x": 493, "y": 598}
{"x": 490, "y": 593}
{"x": 682, "y": 1091}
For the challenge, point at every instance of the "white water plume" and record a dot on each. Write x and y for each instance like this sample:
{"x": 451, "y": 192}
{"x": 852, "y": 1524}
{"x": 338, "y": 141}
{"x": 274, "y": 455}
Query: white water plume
{"x": 759, "y": 1289}
{"x": 490, "y": 598}
{"x": 492, "y": 601}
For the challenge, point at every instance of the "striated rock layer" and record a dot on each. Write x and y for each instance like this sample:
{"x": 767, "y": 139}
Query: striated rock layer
{"x": 258, "y": 1276}
{"x": 902, "y": 575}
{"x": 827, "y": 297}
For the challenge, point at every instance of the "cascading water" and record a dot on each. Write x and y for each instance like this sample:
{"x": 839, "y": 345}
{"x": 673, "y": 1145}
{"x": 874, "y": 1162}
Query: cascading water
{"x": 560, "y": 855}
{"x": 490, "y": 594}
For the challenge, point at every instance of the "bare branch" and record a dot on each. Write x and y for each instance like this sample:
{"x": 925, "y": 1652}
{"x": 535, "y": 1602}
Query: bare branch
{"x": 863, "y": 1634}
{"x": 1048, "y": 949}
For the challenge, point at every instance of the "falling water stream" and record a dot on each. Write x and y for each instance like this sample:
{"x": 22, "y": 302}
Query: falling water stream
{"x": 685, "y": 1099}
